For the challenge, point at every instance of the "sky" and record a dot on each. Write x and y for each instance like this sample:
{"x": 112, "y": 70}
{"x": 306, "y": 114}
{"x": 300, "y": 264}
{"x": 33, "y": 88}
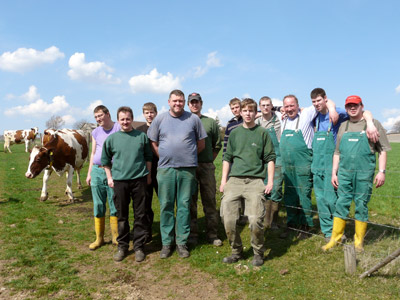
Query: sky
{"x": 64, "y": 58}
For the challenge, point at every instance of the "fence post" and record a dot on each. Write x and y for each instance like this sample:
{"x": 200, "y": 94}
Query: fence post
{"x": 350, "y": 261}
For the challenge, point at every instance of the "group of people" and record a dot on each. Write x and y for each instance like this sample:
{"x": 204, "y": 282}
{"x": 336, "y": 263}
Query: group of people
{"x": 321, "y": 146}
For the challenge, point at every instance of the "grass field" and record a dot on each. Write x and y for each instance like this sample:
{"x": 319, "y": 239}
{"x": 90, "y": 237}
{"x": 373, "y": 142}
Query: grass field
{"x": 44, "y": 252}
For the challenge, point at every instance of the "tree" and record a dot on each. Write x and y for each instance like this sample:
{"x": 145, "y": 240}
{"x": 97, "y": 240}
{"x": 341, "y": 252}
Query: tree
{"x": 79, "y": 124}
{"x": 55, "y": 122}
{"x": 396, "y": 127}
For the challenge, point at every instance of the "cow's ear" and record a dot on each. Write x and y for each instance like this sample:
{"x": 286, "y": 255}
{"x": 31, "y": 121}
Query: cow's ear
{"x": 30, "y": 150}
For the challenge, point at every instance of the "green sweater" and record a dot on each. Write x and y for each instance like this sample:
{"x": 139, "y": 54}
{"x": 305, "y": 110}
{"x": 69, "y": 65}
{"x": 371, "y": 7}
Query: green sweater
{"x": 249, "y": 151}
{"x": 213, "y": 140}
{"x": 127, "y": 153}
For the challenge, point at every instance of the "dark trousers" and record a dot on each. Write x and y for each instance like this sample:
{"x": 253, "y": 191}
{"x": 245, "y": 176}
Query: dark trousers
{"x": 124, "y": 190}
{"x": 149, "y": 200}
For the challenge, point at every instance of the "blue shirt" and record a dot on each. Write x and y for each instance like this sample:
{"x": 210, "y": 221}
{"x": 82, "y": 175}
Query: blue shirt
{"x": 322, "y": 121}
{"x": 177, "y": 139}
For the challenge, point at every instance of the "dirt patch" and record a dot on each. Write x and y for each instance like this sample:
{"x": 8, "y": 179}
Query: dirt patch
{"x": 131, "y": 280}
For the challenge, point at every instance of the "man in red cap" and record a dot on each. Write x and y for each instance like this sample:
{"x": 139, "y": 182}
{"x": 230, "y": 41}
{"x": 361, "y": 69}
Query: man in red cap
{"x": 353, "y": 171}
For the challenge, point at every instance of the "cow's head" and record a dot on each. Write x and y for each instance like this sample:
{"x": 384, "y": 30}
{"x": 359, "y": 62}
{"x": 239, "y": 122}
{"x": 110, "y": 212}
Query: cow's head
{"x": 39, "y": 159}
{"x": 35, "y": 131}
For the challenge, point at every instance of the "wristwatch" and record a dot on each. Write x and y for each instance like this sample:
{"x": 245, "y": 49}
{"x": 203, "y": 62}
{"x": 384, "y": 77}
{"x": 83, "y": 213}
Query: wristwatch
{"x": 382, "y": 171}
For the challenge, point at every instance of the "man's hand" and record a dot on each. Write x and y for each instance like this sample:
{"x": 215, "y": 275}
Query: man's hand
{"x": 335, "y": 181}
{"x": 372, "y": 132}
{"x": 221, "y": 187}
{"x": 88, "y": 179}
{"x": 110, "y": 182}
{"x": 379, "y": 179}
{"x": 268, "y": 188}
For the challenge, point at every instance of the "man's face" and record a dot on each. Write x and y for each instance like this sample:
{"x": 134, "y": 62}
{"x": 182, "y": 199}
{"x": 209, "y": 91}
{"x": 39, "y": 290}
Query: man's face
{"x": 149, "y": 115}
{"x": 290, "y": 107}
{"x": 176, "y": 105}
{"x": 248, "y": 114}
{"x": 354, "y": 110}
{"x": 235, "y": 109}
{"x": 265, "y": 106}
{"x": 195, "y": 106}
{"x": 125, "y": 121}
{"x": 319, "y": 103}
{"x": 102, "y": 118}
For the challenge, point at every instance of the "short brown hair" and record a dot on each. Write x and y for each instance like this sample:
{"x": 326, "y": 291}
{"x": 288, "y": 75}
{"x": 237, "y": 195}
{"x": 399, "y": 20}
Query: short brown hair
{"x": 265, "y": 98}
{"x": 248, "y": 102}
{"x": 317, "y": 92}
{"x": 234, "y": 101}
{"x": 177, "y": 93}
{"x": 291, "y": 96}
{"x": 124, "y": 109}
{"x": 149, "y": 106}
{"x": 102, "y": 108}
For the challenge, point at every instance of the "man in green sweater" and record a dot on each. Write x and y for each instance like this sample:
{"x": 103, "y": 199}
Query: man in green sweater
{"x": 205, "y": 175}
{"x": 128, "y": 172}
{"x": 249, "y": 154}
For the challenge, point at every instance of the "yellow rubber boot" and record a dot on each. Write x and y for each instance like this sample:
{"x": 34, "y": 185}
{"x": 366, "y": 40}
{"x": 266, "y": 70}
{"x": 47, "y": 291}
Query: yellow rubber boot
{"x": 99, "y": 224}
{"x": 114, "y": 229}
{"x": 337, "y": 233}
{"x": 361, "y": 229}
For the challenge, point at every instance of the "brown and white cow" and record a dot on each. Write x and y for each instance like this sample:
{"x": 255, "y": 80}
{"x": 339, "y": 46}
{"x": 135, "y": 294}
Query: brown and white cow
{"x": 63, "y": 150}
{"x": 26, "y": 136}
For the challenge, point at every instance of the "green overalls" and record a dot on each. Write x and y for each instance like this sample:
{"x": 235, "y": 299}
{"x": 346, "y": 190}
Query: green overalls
{"x": 296, "y": 165}
{"x": 355, "y": 175}
{"x": 323, "y": 146}
{"x": 276, "y": 194}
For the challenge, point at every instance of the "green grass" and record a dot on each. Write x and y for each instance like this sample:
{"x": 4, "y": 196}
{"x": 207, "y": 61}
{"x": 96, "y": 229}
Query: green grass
{"x": 44, "y": 254}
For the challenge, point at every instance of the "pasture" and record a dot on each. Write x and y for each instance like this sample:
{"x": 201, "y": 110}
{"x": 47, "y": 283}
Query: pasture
{"x": 44, "y": 251}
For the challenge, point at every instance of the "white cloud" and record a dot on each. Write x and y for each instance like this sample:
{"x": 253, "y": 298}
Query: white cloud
{"x": 32, "y": 94}
{"x": 212, "y": 62}
{"x": 390, "y": 112}
{"x": 95, "y": 71}
{"x": 39, "y": 108}
{"x": 224, "y": 114}
{"x": 154, "y": 82}
{"x": 69, "y": 120}
{"x": 246, "y": 95}
{"x": 277, "y": 102}
{"x": 388, "y": 124}
{"x": 24, "y": 59}
{"x": 398, "y": 89}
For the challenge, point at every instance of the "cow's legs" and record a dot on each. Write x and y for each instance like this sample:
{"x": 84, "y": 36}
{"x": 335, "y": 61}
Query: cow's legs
{"x": 26, "y": 145}
{"x": 7, "y": 146}
{"x": 68, "y": 191}
{"x": 44, "y": 195}
{"x": 78, "y": 178}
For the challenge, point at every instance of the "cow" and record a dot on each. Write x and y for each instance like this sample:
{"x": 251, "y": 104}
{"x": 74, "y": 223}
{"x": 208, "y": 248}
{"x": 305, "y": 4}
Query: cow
{"x": 63, "y": 151}
{"x": 19, "y": 136}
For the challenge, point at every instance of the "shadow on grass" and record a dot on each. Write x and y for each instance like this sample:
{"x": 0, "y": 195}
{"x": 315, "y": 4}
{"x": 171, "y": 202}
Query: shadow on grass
{"x": 9, "y": 200}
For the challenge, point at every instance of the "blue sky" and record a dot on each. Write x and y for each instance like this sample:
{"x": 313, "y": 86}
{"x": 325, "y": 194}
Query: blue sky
{"x": 65, "y": 57}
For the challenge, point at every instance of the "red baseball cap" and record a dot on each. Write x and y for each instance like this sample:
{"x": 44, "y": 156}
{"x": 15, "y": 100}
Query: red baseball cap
{"x": 353, "y": 100}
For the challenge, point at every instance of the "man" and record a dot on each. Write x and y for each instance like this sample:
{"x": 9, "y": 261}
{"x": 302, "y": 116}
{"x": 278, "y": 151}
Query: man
{"x": 150, "y": 112}
{"x": 323, "y": 146}
{"x": 97, "y": 178}
{"x": 270, "y": 121}
{"x": 205, "y": 174}
{"x": 295, "y": 149}
{"x": 249, "y": 153}
{"x": 127, "y": 159}
{"x": 236, "y": 121}
{"x": 353, "y": 171}
{"x": 176, "y": 136}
